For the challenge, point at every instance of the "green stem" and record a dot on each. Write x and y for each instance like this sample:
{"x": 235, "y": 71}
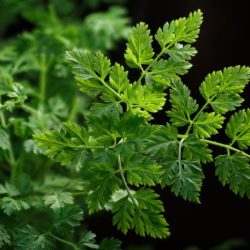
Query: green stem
{"x": 222, "y": 145}
{"x": 2, "y": 117}
{"x": 29, "y": 109}
{"x": 63, "y": 241}
{"x": 125, "y": 182}
{"x": 73, "y": 111}
{"x": 112, "y": 90}
{"x": 43, "y": 72}
{"x": 144, "y": 71}
{"x": 228, "y": 147}
{"x": 196, "y": 116}
{"x": 179, "y": 154}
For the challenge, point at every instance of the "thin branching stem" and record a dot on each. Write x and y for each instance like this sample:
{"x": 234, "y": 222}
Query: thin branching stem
{"x": 124, "y": 181}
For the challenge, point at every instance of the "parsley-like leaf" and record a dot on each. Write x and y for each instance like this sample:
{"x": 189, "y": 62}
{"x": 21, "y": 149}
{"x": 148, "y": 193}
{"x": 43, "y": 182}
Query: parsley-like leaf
{"x": 196, "y": 150}
{"x": 221, "y": 89}
{"x": 234, "y": 170}
{"x": 67, "y": 145}
{"x": 66, "y": 218}
{"x": 180, "y": 30}
{"x": 29, "y": 238}
{"x": 139, "y": 47}
{"x": 10, "y": 205}
{"x": 58, "y": 200}
{"x": 207, "y": 124}
{"x": 183, "y": 105}
{"x": 238, "y": 128}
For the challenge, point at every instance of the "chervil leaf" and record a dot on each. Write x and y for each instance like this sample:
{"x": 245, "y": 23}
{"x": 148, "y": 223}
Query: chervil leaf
{"x": 58, "y": 200}
{"x": 141, "y": 170}
{"x": 29, "y": 238}
{"x": 148, "y": 219}
{"x": 123, "y": 210}
{"x": 181, "y": 30}
{"x": 221, "y": 89}
{"x": 90, "y": 70}
{"x": 4, "y": 139}
{"x": 207, "y": 124}
{"x": 88, "y": 240}
{"x": 238, "y": 128}
{"x": 183, "y": 105}
{"x": 184, "y": 177}
{"x": 67, "y": 145}
{"x": 10, "y": 205}
{"x": 139, "y": 47}
{"x": 165, "y": 72}
{"x": 110, "y": 244}
{"x": 66, "y": 218}
{"x": 180, "y": 52}
{"x": 144, "y": 99}
{"x": 5, "y": 238}
{"x": 196, "y": 150}
{"x": 161, "y": 139}
{"x": 145, "y": 217}
{"x": 102, "y": 182}
{"x": 118, "y": 78}
{"x": 234, "y": 170}
{"x": 9, "y": 189}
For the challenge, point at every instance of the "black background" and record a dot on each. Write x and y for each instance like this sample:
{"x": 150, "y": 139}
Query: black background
{"x": 224, "y": 41}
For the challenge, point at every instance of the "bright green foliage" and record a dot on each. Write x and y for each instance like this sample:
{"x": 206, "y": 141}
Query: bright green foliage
{"x": 29, "y": 238}
{"x": 238, "y": 128}
{"x": 90, "y": 70}
{"x": 181, "y": 30}
{"x": 116, "y": 154}
{"x": 207, "y": 124}
{"x": 165, "y": 72}
{"x": 183, "y": 105}
{"x": 139, "y": 48}
{"x": 234, "y": 170}
{"x": 125, "y": 153}
{"x": 221, "y": 89}
{"x": 65, "y": 146}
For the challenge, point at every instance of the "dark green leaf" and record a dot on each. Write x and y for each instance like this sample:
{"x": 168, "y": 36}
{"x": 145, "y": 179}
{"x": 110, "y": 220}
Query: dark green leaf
{"x": 183, "y": 105}
{"x": 234, "y": 170}
{"x": 238, "y": 128}
{"x": 29, "y": 238}
{"x": 66, "y": 218}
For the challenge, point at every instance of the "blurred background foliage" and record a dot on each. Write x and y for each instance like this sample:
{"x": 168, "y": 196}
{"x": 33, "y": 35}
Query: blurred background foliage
{"x": 37, "y": 92}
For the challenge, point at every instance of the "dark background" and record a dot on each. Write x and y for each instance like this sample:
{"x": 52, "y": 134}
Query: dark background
{"x": 224, "y": 41}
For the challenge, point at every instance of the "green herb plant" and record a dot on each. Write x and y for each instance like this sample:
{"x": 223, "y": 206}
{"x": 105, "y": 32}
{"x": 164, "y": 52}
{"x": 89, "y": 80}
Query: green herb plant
{"x": 119, "y": 155}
